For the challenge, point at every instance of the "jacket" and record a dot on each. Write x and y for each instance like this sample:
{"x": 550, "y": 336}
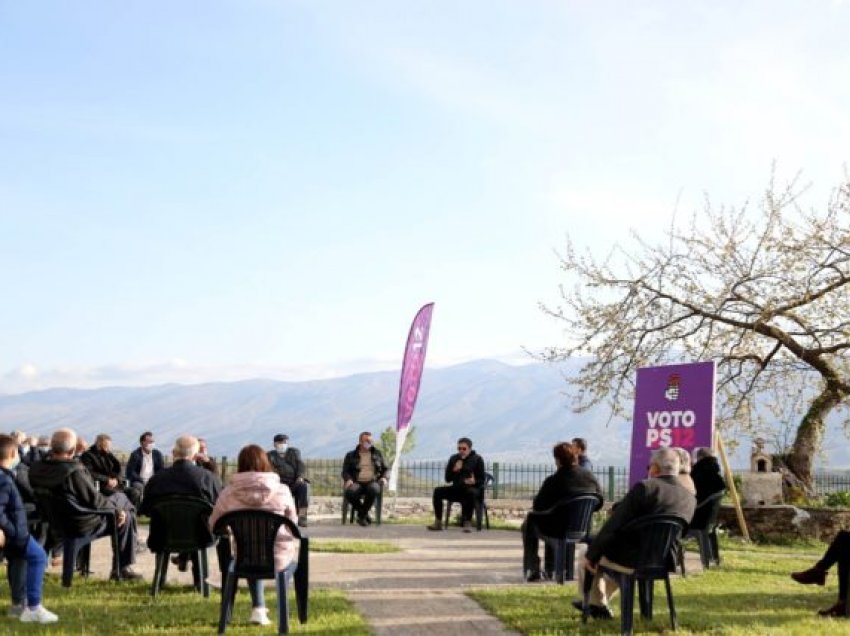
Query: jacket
{"x": 69, "y": 479}
{"x": 260, "y": 491}
{"x": 101, "y": 466}
{"x": 13, "y": 517}
{"x": 656, "y": 495}
{"x": 351, "y": 464}
{"x": 134, "y": 465}
{"x": 707, "y": 478}
{"x": 565, "y": 482}
{"x": 289, "y": 466}
{"x": 473, "y": 466}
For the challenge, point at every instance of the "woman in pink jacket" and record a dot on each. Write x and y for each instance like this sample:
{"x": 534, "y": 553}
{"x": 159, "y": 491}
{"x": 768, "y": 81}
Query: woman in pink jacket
{"x": 257, "y": 486}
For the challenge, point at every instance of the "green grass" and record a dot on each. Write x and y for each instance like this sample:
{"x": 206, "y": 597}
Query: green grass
{"x": 342, "y": 546}
{"x": 751, "y": 593}
{"x": 100, "y": 607}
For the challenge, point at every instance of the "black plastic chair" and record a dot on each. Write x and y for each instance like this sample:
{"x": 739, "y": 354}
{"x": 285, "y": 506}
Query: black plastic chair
{"x": 563, "y": 525}
{"x": 378, "y": 505}
{"x": 703, "y": 528}
{"x": 180, "y": 523}
{"x": 75, "y": 547}
{"x": 254, "y": 533}
{"x": 656, "y": 536}
{"x": 481, "y": 511}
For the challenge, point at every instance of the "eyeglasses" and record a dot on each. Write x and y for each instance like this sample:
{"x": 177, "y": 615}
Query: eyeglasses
{"x": 462, "y": 448}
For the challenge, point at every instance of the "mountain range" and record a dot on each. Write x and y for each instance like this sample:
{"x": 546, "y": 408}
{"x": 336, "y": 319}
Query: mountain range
{"x": 512, "y": 413}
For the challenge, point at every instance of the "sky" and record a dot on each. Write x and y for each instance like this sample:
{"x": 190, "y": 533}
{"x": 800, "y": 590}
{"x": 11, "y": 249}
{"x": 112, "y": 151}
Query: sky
{"x": 216, "y": 190}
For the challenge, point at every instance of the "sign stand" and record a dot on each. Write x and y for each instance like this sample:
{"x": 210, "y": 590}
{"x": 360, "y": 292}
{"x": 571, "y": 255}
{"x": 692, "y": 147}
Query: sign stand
{"x": 733, "y": 492}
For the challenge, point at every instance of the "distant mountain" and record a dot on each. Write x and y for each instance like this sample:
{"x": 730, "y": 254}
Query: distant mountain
{"x": 512, "y": 413}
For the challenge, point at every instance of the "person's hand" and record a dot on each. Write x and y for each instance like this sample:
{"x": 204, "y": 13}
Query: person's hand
{"x": 299, "y": 480}
{"x": 112, "y": 482}
{"x": 121, "y": 517}
{"x": 348, "y": 484}
{"x": 2, "y": 538}
{"x": 469, "y": 481}
{"x": 383, "y": 481}
{"x": 201, "y": 457}
{"x": 589, "y": 565}
{"x": 458, "y": 466}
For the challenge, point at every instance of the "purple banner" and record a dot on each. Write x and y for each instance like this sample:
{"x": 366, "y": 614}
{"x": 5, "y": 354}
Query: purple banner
{"x": 411, "y": 368}
{"x": 674, "y": 406}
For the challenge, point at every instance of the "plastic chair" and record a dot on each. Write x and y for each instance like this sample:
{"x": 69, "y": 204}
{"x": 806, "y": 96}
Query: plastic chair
{"x": 59, "y": 510}
{"x": 254, "y": 532}
{"x": 180, "y": 523}
{"x": 378, "y": 505}
{"x": 656, "y": 536}
{"x": 563, "y": 525}
{"x": 481, "y": 511}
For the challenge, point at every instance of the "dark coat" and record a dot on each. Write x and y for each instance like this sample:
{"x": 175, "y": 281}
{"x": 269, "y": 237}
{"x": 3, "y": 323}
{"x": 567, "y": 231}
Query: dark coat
{"x": 288, "y": 466}
{"x": 13, "y": 517}
{"x": 707, "y": 478}
{"x": 351, "y": 464}
{"x": 473, "y": 466}
{"x": 565, "y": 482}
{"x": 134, "y": 465}
{"x": 68, "y": 478}
{"x": 653, "y": 496}
{"x": 183, "y": 477}
{"x": 101, "y": 466}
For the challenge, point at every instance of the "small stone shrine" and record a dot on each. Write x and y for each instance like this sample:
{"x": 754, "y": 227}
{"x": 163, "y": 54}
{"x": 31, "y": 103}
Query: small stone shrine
{"x": 761, "y": 486}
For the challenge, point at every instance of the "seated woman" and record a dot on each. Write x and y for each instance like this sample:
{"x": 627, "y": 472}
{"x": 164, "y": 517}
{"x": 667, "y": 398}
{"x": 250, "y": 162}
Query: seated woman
{"x": 837, "y": 552}
{"x": 256, "y": 486}
{"x": 568, "y": 480}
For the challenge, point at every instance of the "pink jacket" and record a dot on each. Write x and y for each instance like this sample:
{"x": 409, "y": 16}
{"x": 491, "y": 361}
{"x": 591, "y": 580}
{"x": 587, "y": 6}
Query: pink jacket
{"x": 265, "y": 492}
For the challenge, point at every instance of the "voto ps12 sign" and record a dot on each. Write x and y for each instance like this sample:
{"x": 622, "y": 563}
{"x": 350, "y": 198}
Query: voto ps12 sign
{"x": 674, "y": 406}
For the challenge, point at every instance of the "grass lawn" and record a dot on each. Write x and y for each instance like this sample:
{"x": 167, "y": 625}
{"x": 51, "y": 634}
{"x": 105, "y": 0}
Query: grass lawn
{"x": 101, "y": 607}
{"x": 345, "y": 546}
{"x": 751, "y": 593}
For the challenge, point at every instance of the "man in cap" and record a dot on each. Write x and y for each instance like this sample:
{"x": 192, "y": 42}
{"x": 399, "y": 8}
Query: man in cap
{"x": 287, "y": 462}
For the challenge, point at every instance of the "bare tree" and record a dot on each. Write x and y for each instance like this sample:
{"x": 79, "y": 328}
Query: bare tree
{"x": 763, "y": 292}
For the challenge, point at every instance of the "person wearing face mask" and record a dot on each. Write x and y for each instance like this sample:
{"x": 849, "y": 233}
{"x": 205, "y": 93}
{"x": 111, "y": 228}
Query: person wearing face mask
{"x": 23, "y": 442}
{"x": 144, "y": 462}
{"x": 363, "y": 471}
{"x": 26, "y": 558}
{"x": 286, "y": 460}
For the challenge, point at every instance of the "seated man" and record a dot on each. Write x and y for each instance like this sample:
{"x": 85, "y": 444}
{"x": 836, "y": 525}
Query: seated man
{"x": 203, "y": 458}
{"x": 26, "y": 558}
{"x": 363, "y": 471}
{"x": 289, "y": 467}
{"x": 837, "y": 552}
{"x": 105, "y": 469}
{"x": 65, "y": 477}
{"x": 662, "y": 493}
{"x": 568, "y": 480}
{"x": 465, "y": 471}
{"x": 144, "y": 462}
{"x": 183, "y": 477}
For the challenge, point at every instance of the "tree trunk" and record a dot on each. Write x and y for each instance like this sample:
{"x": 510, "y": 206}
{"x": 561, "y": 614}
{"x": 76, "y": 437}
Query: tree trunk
{"x": 810, "y": 433}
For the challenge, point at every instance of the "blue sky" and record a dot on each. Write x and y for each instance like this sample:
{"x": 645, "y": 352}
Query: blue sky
{"x": 211, "y": 190}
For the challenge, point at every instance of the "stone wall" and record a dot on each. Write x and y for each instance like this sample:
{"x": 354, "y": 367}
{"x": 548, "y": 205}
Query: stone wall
{"x": 404, "y": 507}
{"x": 783, "y": 522}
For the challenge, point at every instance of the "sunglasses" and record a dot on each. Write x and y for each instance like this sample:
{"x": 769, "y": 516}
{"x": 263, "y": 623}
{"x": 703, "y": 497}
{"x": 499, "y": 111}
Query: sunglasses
{"x": 462, "y": 448}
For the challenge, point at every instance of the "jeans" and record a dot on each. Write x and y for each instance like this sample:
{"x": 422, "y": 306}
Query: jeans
{"x": 26, "y": 574}
{"x": 368, "y": 491}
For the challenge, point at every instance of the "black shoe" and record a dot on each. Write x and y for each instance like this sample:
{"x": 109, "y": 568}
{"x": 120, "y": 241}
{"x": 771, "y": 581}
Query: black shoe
{"x": 127, "y": 574}
{"x": 533, "y": 576}
{"x": 602, "y": 612}
{"x": 361, "y": 521}
{"x": 810, "y": 576}
{"x": 839, "y": 610}
{"x": 368, "y": 519}
{"x": 302, "y": 521}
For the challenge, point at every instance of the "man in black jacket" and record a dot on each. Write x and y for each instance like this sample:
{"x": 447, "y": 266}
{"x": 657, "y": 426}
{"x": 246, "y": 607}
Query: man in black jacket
{"x": 67, "y": 478}
{"x": 105, "y": 469}
{"x": 183, "y": 477}
{"x": 661, "y": 493}
{"x": 465, "y": 472}
{"x": 287, "y": 462}
{"x": 363, "y": 471}
{"x": 568, "y": 480}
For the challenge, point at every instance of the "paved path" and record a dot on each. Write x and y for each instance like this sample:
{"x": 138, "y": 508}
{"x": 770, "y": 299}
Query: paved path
{"x": 419, "y": 590}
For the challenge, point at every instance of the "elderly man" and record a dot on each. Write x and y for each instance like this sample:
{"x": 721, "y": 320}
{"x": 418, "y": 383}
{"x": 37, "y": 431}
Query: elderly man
{"x": 65, "y": 477}
{"x": 105, "y": 469}
{"x": 183, "y": 477}
{"x": 287, "y": 462}
{"x": 661, "y": 493}
{"x": 363, "y": 471}
{"x": 465, "y": 472}
{"x": 144, "y": 462}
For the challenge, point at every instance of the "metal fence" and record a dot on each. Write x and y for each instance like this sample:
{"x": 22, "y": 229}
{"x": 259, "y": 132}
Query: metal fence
{"x": 511, "y": 480}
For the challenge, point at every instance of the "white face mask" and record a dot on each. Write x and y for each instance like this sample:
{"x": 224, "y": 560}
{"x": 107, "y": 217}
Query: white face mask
{"x": 281, "y": 448}
{"x": 25, "y": 447}
{"x": 44, "y": 449}
{"x": 14, "y": 464}
{"x": 148, "y": 447}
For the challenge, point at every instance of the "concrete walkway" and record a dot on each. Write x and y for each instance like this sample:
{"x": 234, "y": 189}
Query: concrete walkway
{"x": 419, "y": 590}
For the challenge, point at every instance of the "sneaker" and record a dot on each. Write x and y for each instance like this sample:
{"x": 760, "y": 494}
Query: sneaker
{"x": 467, "y": 526}
{"x": 260, "y": 616}
{"x": 810, "y": 576}
{"x": 15, "y": 611}
{"x": 38, "y": 615}
{"x": 435, "y": 526}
